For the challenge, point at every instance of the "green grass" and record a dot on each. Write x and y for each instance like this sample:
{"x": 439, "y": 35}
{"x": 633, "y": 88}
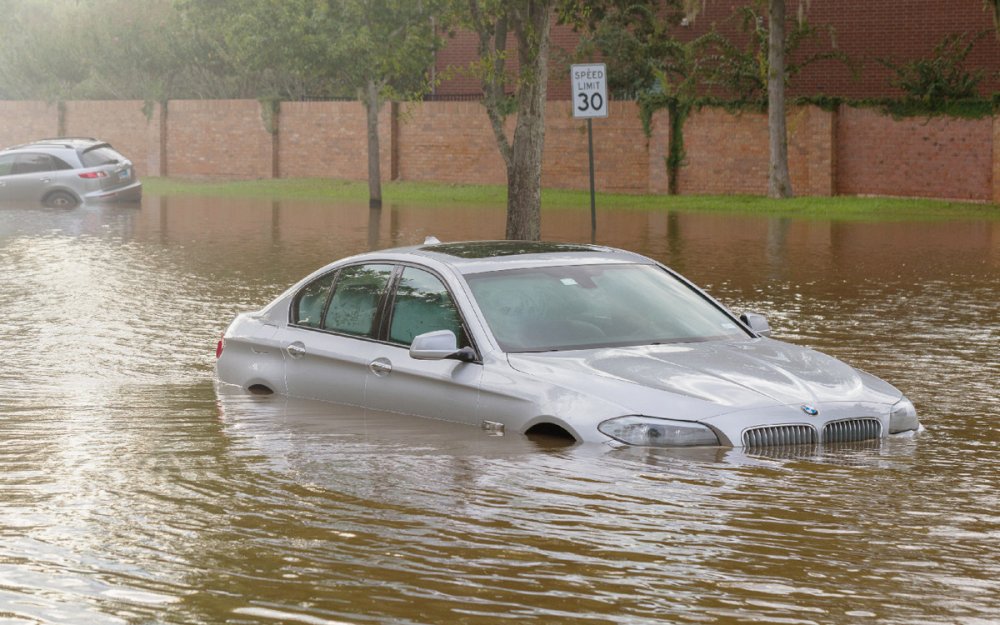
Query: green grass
{"x": 491, "y": 196}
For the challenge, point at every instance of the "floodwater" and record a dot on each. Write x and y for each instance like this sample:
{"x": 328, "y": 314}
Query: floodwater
{"x": 130, "y": 492}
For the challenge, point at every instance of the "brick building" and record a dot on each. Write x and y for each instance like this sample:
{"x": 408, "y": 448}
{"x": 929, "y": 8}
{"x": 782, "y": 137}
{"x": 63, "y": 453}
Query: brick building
{"x": 865, "y": 30}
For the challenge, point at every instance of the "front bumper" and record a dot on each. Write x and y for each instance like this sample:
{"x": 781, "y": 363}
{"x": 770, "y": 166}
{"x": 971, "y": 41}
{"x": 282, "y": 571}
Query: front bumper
{"x": 802, "y": 424}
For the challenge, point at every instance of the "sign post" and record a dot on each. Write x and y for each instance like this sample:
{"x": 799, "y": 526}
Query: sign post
{"x": 590, "y": 100}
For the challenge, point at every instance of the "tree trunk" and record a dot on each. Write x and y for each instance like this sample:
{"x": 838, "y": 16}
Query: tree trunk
{"x": 372, "y": 105}
{"x": 524, "y": 169}
{"x": 779, "y": 182}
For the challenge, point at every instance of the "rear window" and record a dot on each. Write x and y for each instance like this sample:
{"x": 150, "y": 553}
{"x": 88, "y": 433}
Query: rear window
{"x": 101, "y": 155}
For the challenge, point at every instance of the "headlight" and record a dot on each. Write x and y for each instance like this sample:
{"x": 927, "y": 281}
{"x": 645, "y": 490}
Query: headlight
{"x": 903, "y": 417}
{"x": 651, "y": 432}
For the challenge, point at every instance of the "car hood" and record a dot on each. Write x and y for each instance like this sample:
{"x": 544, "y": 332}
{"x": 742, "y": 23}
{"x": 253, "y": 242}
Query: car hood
{"x": 728, "y": 375}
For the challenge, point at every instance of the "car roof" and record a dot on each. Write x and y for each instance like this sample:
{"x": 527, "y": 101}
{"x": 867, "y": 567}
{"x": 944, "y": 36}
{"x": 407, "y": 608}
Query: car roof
{"x": 69, "y": 143}
{"x": 468, "y": 257}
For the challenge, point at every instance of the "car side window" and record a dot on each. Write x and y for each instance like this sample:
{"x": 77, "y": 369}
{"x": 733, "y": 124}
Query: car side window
{"x": 7, "y": 164}
{"x": 355, "y": 300}
{"x": 34, "y": 163}
{"x": 423, "y": 304}
{"x": 311, "y": 300}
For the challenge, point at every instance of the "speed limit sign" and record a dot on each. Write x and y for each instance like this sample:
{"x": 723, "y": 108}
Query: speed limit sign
{"x": 590, "y": 90}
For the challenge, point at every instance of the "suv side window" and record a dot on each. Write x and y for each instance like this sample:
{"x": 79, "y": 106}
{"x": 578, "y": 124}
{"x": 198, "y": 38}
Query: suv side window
{"x": 7, "y": 164}
{"x": 355, "y": 300}
{"x": 310, "y": 303}
{"x": 423, "y": 304}
{"x": 32, "y": 163}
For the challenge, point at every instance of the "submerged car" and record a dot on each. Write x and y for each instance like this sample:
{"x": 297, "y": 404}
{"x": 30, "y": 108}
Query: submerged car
{"x": 67, "y": 172}
{"x": 582, "y": 341}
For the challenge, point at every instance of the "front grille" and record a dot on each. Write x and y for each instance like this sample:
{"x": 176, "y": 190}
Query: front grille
{"x": 852, "y": 430}
{"x": 779, "y": 435}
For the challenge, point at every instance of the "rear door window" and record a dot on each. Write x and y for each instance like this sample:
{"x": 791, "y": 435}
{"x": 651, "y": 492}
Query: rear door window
{"x": 356, "y": 297}
{"x": 7, "y": 164}
{"x": 33, "y": 162}
{"x": 310, "y": 303}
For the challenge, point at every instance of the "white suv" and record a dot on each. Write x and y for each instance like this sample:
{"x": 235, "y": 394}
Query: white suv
{"x": 66, "y": 172}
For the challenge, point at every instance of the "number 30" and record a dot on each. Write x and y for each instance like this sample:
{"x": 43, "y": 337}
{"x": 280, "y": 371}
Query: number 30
{"x": 595, "y": 102}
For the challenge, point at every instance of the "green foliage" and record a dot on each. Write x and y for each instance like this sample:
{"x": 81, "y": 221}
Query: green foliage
{"x": 739, "y": 72}
{"x": 646, "y": 62}
{"x": 156, "y": 50}
{"x": 942, "y": 78}
{"x": 635, "y": 39}
{"x": 103, "y": 49}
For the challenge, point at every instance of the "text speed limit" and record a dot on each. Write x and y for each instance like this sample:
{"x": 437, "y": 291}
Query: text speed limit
{"x": 590, "y": 90}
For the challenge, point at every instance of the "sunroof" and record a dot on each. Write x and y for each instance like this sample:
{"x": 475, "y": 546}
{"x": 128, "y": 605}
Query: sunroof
{"x": 492, "y": 249}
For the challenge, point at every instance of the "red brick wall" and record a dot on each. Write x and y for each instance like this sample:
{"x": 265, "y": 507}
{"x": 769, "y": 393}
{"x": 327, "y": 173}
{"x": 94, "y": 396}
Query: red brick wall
{"x": 939, "y": 157}
{"x": 21, "y": 122}
{"x": 729, "y": 154}
{"x": 328, "y": 139}
{"x": 996, "y": 160}
{"x": 454, "y": 142}
{"x": 123, "y": 124}
{"x": 218, "y": 139}
{"x": 448, "y": 142}
{"x": 621, "y": 149}
{"x": 853, "y": 151}
{"x": 865, "y": 30}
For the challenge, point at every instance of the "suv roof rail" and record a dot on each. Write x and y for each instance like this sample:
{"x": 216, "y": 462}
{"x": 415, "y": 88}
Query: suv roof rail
{"x": 65, "y": 142}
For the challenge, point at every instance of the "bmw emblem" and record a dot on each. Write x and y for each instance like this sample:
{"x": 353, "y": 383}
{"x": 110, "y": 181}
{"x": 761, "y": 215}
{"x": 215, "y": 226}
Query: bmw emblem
{"x": 809, "y": 410}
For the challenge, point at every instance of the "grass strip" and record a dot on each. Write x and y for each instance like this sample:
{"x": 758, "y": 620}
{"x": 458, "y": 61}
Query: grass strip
{"x": 417, "y": 194}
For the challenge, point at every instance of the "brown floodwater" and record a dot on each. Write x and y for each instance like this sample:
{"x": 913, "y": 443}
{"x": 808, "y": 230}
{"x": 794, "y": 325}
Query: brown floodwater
{"x": 131, "y": 492}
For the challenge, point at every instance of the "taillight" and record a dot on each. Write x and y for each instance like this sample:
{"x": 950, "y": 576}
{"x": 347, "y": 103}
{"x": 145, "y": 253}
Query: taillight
{"x": 218, "y": 348}
{"x": 93, "y": 174}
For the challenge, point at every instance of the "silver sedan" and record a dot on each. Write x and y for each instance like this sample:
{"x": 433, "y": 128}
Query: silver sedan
{"x": 584, "y": 342}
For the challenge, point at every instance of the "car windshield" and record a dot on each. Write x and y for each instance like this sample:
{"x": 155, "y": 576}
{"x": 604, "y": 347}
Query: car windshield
{"x": 588, "y": 306}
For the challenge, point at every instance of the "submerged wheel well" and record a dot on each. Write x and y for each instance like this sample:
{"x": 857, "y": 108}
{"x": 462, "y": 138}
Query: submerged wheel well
{"x": 259, "y": 389}
{"x": 550, "y": 431}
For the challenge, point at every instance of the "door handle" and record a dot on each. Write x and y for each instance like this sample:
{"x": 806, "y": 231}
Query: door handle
{"x": 380, "y": 367}
{"x": 296, "y": 350}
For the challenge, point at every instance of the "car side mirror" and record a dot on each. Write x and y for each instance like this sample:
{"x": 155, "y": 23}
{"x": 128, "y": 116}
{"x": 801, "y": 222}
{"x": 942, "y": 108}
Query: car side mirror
{"x": 756, "y": 322}
{"x": 439, "y": 345}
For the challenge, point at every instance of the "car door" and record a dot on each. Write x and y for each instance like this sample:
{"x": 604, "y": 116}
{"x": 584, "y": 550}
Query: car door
{"x": 32, "y": 176}
{"x": 440, "y": 389}
{"x": 6, "y": 169}
{"x": 329, "y": 341}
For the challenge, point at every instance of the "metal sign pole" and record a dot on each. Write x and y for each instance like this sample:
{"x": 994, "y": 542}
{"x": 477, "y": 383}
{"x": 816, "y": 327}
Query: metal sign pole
{"x": 593, "y": 203}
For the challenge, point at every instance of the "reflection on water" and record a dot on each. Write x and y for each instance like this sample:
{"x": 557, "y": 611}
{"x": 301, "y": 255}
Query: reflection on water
{"x": 132, "y": 492}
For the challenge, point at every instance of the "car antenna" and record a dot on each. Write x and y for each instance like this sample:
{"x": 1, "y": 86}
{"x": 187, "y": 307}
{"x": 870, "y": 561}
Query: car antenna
{"x": 431, "y": 240}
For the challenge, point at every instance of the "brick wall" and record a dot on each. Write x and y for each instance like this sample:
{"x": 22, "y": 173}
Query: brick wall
{"x": 729, "y": 153}
{"x": 21, "y": 122}
{"x": 218, "y": 139}
{"x": 938, "y": 157}
{"x": 328, "y": 139}
{"x": 853, "y": 151}
{"x": 996, "y": 160}
{"x": 454, "y": 142}
{"x": 621, "y": 149}
{"x": 448, "y": 142}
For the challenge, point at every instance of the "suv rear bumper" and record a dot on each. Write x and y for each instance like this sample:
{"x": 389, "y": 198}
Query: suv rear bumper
{"x": 130, "y": 193}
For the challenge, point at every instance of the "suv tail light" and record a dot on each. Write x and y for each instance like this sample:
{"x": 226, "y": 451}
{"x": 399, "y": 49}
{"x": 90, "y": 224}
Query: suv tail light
{"x": 93, "y": 174}
{"x": 219, "y": 347}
